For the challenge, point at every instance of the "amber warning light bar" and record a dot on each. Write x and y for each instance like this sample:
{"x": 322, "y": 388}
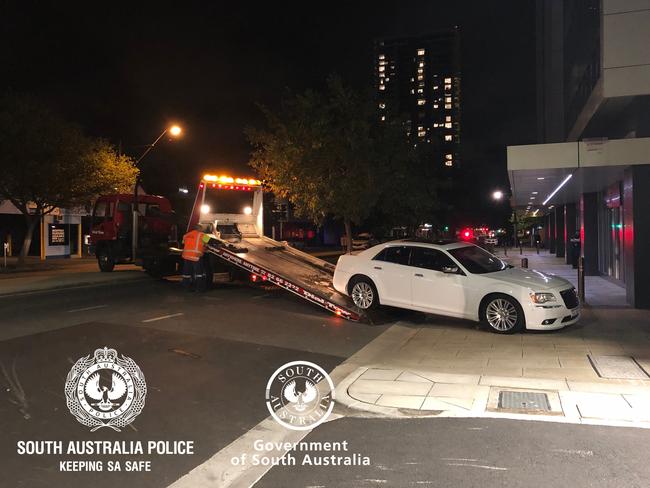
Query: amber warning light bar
{"x": 229, "y": 180}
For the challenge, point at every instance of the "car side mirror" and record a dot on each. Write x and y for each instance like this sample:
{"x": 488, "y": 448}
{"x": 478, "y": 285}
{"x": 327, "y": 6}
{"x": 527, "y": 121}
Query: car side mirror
{"x": 450, "y": 269}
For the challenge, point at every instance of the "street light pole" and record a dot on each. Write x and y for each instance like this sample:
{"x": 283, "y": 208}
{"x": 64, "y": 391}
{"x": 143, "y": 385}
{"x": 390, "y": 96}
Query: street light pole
{"x": 175, "y": 131}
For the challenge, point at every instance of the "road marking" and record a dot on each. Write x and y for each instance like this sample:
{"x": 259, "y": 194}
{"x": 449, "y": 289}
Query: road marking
{"x": 577, "y": 452}
{"x": 460, "y": 459}
{"x": 87, "y": 308}
{"x": 154, "y": 319}
{"x": 482, "y": 466}
{"x": 220, "y": 470}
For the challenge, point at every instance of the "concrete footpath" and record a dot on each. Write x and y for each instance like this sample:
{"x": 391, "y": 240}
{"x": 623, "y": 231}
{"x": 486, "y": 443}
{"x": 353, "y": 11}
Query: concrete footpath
{"x": 68, "y": 273}
{"x": 597, "y": 371}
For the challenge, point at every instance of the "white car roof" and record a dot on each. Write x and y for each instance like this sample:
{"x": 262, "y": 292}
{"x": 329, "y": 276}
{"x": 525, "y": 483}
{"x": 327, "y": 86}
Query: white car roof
{"x": 442, "y": 244}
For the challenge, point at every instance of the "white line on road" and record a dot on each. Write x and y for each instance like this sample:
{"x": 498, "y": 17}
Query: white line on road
{"x": 482, "y": 466}
{"x": 460, "y": 459}
{"x": 154, "y": 319}
{"x": 87, "y": 308}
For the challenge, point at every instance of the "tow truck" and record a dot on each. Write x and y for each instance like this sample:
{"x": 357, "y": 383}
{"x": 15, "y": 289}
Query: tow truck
{"x": 230, "y": 210}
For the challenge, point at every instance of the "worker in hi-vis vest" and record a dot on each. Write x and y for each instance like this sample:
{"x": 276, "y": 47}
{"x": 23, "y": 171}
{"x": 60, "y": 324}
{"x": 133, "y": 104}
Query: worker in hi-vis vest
{"x": 193, "y": 267}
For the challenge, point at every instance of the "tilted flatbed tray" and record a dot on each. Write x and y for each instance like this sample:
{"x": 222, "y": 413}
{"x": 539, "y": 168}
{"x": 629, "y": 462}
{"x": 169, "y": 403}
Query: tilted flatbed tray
{"x": 289, "y": 268}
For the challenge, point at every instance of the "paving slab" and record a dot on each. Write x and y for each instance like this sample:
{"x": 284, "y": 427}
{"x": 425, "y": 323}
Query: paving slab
{"x": 401, "y": 401}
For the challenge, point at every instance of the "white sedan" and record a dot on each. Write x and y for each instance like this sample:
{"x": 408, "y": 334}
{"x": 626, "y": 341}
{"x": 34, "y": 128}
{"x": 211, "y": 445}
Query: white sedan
{"x": 457, "y": 279}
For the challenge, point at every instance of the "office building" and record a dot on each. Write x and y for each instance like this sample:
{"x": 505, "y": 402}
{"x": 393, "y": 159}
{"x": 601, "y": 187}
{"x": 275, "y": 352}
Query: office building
{"x": 590, "y": 173}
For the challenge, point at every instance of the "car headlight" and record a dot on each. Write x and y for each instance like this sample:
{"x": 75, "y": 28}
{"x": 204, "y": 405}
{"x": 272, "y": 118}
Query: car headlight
{"x": 542, "y": 297}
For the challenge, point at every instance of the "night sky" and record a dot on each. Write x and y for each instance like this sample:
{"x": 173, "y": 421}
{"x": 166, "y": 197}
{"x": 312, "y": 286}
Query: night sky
{"x": 124, "y": 70}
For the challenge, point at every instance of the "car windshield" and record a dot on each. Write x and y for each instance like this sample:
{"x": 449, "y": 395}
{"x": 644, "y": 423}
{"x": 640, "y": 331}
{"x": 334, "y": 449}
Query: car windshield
{"x": 477, "y": 260}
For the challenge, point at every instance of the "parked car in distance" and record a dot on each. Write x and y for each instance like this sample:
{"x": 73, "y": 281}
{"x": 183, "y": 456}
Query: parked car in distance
{"x": 457, "y": 279}
{"x": 364, "y": 240}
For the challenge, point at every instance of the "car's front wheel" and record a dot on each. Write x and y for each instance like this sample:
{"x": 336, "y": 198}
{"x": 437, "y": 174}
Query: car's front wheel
{"x": 502, "y": 314}
{"x": 364, "y": 293}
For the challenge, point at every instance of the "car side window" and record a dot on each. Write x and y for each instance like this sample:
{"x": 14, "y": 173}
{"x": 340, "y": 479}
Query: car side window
{"x": 426, "y": 258}
{"x": 394, "y": 254}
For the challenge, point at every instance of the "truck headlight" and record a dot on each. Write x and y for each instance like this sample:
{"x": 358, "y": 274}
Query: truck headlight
{"x": 542, "y": 297}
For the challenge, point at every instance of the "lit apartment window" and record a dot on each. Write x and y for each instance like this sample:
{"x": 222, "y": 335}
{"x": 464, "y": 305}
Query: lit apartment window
{"x": 383, "y": 117}
{"x": 421, "y": 65}
{"x": 447, "y": 99}
{"x": 449, "y": 157}
{"x": 382, "y": 56}
{"x": 420, "y": 71}
{"x": 382, "y": 87}
{"x": 447, "y": 87}
{"x": 382, "y": 69}
{"x": 420, "y": 90}
{"x": 447, "y": 106}
{"x": 382, "y": 105}
{"x": 447, "y": 80}
{"x": 435, "y": 87}
{"x": 435, "y": 125}
{"x": 449, "y": 163}
{"x": 435, "y": 105}
{"x": 422, "y": 133}
{"x": 412, "y": 91}
{"x": 412, "y": 79}
{"x": 448, "y": 118}
{"x": 382, "y": 75}
{"x": 421, "y": 101}
{"x": 420, "y": 52}
{"x": 448, "y": 137}
{"x": 448, "y": 125}
{"x": 420, "y": 77}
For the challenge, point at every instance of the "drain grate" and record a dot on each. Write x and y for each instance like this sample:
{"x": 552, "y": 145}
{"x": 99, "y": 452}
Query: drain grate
{"x": 523, "y": 400}
{"x": 617, "y": 368}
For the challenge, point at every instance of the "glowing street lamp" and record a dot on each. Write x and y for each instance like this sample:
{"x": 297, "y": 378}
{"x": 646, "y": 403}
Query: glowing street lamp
{"x": 497, "y": 195}
{"x": 174, "y": 131}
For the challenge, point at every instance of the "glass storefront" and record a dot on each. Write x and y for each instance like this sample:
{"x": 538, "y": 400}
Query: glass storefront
{"x": 610, "y": 239}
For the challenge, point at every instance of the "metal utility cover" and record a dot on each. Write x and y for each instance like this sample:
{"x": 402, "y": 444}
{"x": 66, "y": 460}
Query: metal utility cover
{"x": 617, "y": 368}
{"x": 524, "y": 400}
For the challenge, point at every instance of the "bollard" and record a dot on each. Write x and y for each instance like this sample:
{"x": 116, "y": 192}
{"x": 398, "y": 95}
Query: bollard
{"x": 581, "y": 279}
{"x": 537, "y": 247}
{"x": 524, "y": 262}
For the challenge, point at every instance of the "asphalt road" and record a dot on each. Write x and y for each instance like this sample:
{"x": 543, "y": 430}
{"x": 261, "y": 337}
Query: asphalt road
{"x": 206, "y": 358}
{"x": 469, "y": 453}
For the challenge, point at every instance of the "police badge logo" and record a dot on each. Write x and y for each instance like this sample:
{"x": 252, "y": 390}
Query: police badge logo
{"x": 104, "y": 390}
{"x": 300, "y": 395}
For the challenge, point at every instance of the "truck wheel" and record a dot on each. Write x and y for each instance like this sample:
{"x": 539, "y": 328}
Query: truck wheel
{"x": 105, "y": 260}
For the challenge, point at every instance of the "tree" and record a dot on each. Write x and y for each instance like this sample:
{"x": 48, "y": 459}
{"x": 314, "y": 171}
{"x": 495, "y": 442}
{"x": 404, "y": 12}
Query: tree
{"x": 329, "y": 155}
{"x": 46, "y": 162}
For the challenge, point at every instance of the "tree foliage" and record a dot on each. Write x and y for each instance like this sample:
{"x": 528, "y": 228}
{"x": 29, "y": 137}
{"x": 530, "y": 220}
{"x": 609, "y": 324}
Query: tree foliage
{"x": 46, "y": 162}
{"x": 329, "y": 155}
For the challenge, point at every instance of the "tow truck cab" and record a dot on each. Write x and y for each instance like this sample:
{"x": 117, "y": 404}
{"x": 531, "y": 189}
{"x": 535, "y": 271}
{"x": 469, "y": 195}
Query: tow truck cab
{"x": 111, "y": 237}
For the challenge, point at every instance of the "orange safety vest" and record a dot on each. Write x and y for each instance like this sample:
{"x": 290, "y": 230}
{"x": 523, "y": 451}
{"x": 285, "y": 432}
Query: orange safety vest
{"x": 193, "y": 245}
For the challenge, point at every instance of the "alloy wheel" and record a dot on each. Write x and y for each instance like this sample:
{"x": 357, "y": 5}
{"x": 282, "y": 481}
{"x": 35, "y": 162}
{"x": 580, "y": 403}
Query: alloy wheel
{"x": 363, "y": 295}
{"x": 501, "y": 314}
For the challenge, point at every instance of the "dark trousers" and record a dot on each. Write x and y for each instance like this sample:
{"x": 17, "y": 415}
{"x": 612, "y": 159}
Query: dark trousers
{"x": 194, "y": 275}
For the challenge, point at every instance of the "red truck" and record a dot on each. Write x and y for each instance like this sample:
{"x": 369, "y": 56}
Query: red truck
{"x": 156, "y": 240}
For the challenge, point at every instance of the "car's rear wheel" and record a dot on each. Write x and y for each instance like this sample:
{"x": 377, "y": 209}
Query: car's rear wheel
{"x": 502, "y": 314}
{"x": 364, "y": 293}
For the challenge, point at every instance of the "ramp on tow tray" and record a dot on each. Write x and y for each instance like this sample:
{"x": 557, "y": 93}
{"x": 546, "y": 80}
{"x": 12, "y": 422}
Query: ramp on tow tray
{"x": 288, "y": 268}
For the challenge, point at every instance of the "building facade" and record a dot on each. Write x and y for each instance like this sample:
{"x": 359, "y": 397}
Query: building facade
{"x": 589, "y": 176}
{"x": 418, "y": 80}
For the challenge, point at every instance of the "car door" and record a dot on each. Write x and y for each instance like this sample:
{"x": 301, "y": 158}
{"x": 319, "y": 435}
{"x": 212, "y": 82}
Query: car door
{"x": 393, "y": 275}
{"x": 434, "y": 290}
